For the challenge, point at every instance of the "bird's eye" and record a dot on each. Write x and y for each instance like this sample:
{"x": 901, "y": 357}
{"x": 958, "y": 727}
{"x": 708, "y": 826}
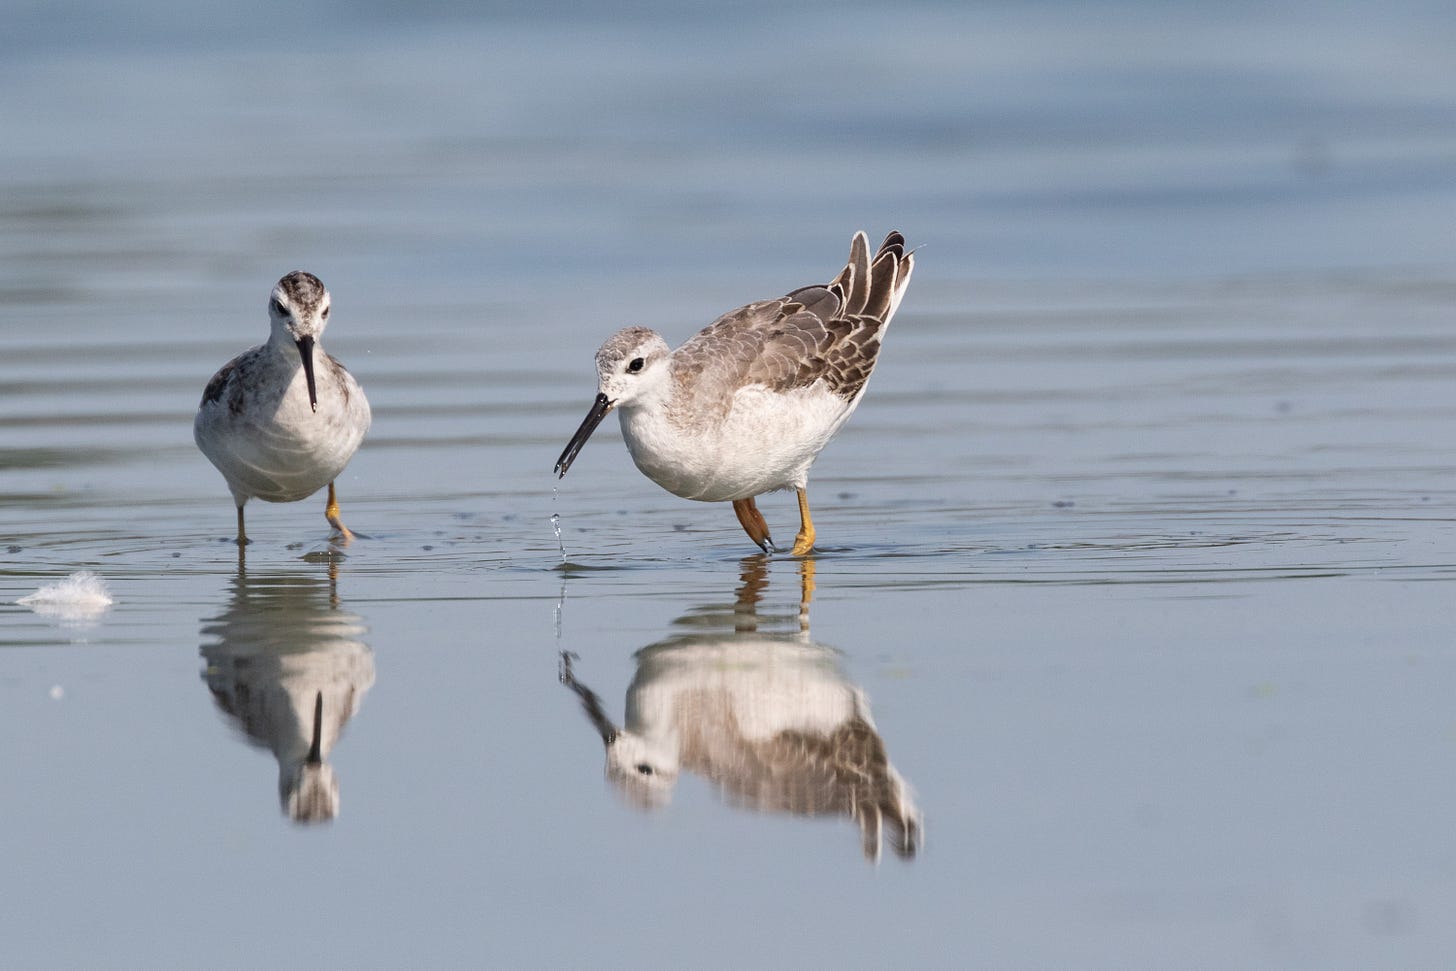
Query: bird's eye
{"x": 324, "y": 313}
{"x": 276, "y": 307}
{"x": 635, "y": 365}
{"x": 644, "y": 768}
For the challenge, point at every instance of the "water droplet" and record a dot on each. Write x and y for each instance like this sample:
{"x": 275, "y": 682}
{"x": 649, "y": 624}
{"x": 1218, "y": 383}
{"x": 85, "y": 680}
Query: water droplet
{"x": 556, "y": 525}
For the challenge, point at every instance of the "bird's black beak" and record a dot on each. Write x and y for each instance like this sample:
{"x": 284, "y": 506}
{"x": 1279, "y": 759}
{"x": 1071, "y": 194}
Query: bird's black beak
{"x": 590, "y": 703}
{"x": 305, "y": 351}
{"x": 589, "y": 424}
{"x": 316, "y": 749}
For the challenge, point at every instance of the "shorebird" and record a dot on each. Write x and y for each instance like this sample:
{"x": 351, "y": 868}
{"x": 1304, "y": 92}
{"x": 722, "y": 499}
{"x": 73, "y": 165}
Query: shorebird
{"x": 769, "y": 719}
{"x": 745, "y": 407}
{"x": 290, "y": 668}
{"x": 280, "y": 421}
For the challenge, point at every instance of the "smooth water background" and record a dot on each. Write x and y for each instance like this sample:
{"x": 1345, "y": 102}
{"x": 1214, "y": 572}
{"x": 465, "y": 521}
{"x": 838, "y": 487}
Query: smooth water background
{"x": 1139, "y": 544}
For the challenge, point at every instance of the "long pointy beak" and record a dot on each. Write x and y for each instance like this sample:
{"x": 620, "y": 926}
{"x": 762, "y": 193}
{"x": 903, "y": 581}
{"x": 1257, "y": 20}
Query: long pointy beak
{"x": 590, "y": 703}
{"x": 316, "y": 749}
{"x": 589, "y": 424}
{"x": 305, "y": 351}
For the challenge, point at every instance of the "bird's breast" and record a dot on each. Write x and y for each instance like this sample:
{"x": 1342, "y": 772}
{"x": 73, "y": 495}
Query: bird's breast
{"x": 765, "y": 440}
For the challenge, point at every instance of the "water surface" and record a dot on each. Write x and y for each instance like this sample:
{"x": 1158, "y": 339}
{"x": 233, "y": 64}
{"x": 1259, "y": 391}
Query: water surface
{"x": 1134, "y": 551}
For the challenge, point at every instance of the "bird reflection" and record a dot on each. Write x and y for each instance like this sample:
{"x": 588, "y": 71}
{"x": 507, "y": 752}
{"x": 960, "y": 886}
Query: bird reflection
{"x": 287, "y": 665}
{"x": 767, "y": 717}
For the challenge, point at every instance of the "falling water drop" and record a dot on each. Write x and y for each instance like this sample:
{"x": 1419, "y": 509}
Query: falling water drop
{"x": 556, "y": 525}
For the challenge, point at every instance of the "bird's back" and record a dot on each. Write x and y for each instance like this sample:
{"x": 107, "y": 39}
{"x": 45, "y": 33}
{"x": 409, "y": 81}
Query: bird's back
{"x": 828, "y": 335}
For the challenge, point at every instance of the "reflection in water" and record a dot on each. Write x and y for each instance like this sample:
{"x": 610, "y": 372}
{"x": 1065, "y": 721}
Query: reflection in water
{"x": 768, "y": 718}
{"x": 288, "y": 666}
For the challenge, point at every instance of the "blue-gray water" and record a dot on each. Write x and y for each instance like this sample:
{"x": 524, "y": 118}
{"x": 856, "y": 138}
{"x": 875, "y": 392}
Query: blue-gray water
{"x": 1136, "y": 547}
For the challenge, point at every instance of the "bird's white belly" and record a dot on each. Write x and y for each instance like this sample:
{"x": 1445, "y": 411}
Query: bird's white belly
{"x": 288, "y": 452}
{"x": 769, "y": 686}
{"x": 767, "y": 441}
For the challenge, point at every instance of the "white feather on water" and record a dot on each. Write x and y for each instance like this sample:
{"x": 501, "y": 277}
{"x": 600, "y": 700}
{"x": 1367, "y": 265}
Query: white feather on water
{"x": 78, "y": 600}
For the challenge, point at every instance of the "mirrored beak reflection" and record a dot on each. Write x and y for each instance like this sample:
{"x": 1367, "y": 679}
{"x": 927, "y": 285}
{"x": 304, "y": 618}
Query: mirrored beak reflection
{"x": 287, "y": 667}
{"x": 753, "y": 705}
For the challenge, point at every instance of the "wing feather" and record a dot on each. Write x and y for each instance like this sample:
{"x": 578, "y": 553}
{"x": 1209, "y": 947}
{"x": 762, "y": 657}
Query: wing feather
{"x": 829, "y": 333}
{"x": 844, "y": 773}
{"x": 859, "y": 259}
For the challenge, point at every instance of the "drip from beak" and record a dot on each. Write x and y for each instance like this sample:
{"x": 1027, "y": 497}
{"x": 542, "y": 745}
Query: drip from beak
{"x": 599, "y": 410}
{"x": 305, "y": 351}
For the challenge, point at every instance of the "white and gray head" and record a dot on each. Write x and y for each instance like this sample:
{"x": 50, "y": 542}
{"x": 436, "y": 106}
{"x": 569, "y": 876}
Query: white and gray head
{"x": 299, "y": 306}
{"x": 633, "y": 362}
{"x": 644, "y": 771}
{"x": 299, "y": 311}
{"x": 309, "y": 793}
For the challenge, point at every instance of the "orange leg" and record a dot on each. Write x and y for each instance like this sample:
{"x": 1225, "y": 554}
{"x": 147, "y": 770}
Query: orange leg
{"x": 806, "y": 590}
{"x": 331, "y": 513}
{"x": 804, "y": 541}
{"x": 752, "y": 522}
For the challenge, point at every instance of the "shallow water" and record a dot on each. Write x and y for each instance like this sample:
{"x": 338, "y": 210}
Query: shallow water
{"x": 1133, "y": 555}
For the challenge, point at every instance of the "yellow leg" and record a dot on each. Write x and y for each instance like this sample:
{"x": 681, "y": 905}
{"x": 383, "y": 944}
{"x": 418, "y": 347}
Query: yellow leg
{"x": 752, "y": 522}
{"x": 331, "y": 513}
{"x": 806, "y": 590}
{"x": 754, "y": 577}
{"x": 804, "y": 541}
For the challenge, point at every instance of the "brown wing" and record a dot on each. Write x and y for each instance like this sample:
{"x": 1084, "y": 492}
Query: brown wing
{"x": 219, "y": 383}
{"x": 825, "y": 333}
{"x": 229, "y": 386}
{"x": 846, "y": 773}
